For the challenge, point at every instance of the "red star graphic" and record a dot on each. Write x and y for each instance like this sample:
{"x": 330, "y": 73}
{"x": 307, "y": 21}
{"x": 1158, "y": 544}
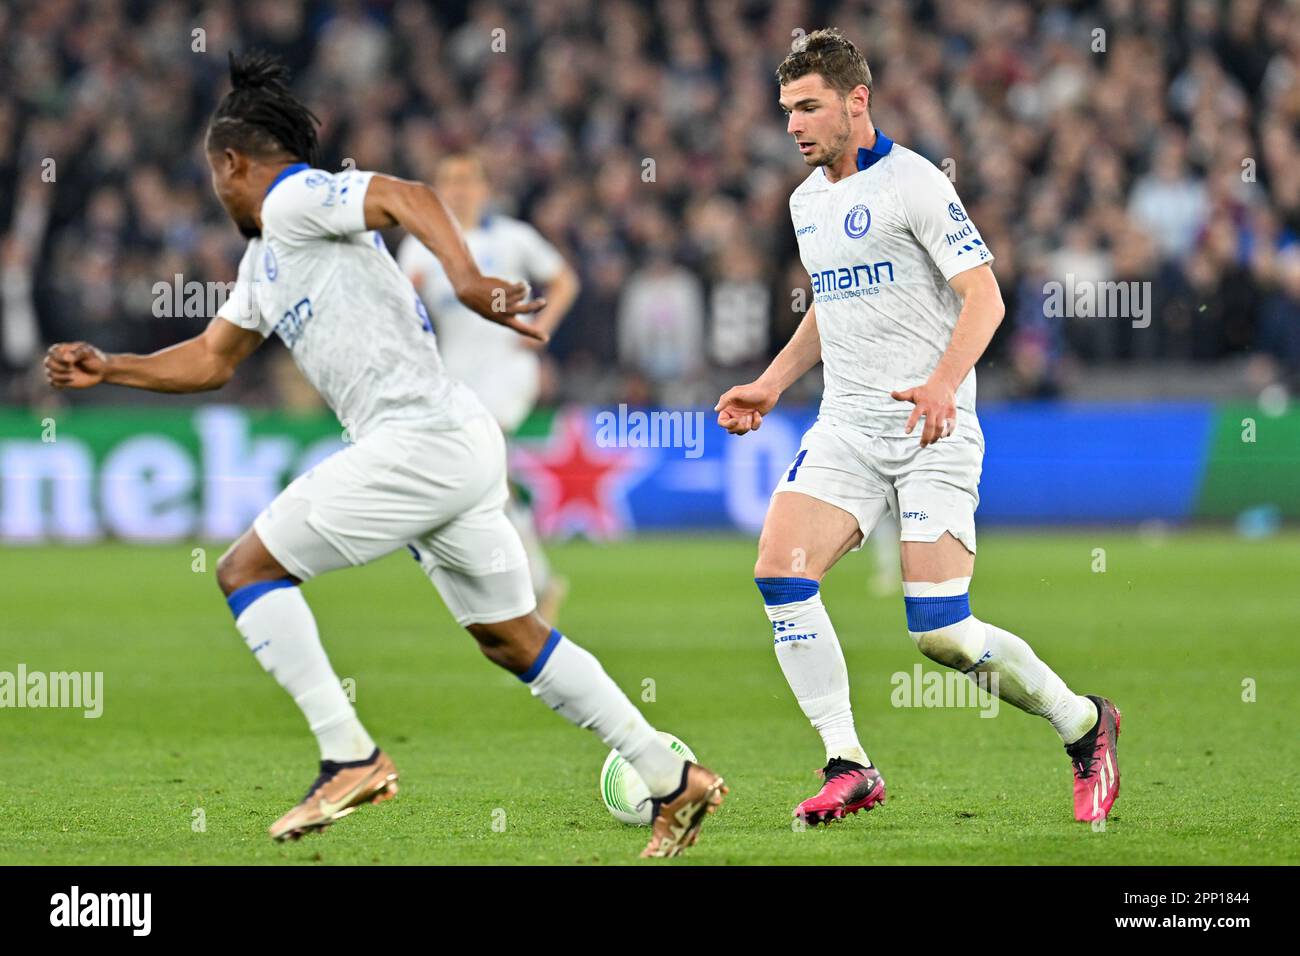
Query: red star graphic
{"x": 576, "y": 486}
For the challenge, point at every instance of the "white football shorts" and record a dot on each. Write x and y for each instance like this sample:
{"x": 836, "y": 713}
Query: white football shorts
{"x": 929, "y": 490}
{"x": 440, "y": 493}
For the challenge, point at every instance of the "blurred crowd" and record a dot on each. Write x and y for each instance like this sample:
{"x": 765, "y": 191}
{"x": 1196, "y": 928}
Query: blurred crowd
{"x": 1116, "y": 141}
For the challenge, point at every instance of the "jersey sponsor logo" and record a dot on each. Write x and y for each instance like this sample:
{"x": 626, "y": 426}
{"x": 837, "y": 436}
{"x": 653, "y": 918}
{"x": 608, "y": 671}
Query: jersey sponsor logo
{"x": 291, "y": 324}
{"x": 848, "y": 282}
{"x": 914, "y": 515}
{"x": 959, "y": 235}
{"x": 805, "y": 230}
{"x": 857, "y": 222}
{"x": 956, "y": 212}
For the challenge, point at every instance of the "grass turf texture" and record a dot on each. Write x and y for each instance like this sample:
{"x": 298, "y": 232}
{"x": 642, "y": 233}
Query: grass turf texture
{"x": 1170, "y": 631}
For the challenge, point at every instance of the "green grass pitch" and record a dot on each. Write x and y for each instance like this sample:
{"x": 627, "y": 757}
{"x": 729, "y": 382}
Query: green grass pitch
{"x": 1173, "y": 631}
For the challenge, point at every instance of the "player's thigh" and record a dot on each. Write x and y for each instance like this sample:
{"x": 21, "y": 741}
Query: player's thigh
{"x": 803, "y": 537}
{"x": 373, "y": 497}
{"x": 824, "y": 505}
{"x": 937, "y": 499}
{"x": 478, "y": 564}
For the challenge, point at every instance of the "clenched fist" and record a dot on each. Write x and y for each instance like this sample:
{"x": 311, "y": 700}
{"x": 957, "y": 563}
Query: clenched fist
{"x": 74, "y": 365}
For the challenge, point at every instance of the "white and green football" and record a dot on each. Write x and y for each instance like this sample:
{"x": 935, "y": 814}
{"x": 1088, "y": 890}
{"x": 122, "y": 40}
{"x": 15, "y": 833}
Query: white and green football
{"x": 624, "y": 791}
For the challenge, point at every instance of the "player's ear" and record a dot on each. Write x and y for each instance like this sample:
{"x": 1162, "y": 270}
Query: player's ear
{"x": 859, "y": 100}
{"x": 235, "y": 164}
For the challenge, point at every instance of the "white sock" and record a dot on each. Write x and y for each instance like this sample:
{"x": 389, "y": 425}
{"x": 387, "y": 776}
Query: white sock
{"x": 279, "y": 629}
{"x": 940, "y": 622}
{"x": 573, "y": 684}
{"x": 813, "y": 663}
{"x": 1025, "y": 681}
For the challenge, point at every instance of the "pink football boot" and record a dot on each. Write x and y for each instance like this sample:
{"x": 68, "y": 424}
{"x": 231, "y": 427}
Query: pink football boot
{"x": 1096, "y": 764}
{"x": 849, "y": 787}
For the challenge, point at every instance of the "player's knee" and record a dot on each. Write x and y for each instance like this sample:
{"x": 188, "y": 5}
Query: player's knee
{"x": 774, "y": 565}
{"x": 944, "y": 628}
{"x": 230, "y": 577}
{"x": 235, "y": 570}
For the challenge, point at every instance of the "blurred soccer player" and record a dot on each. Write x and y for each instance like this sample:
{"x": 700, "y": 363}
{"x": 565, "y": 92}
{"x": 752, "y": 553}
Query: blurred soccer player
{"x": 904, "y": 304}
{"x": 503, "y": 369}
{"x": 426, "y": 467}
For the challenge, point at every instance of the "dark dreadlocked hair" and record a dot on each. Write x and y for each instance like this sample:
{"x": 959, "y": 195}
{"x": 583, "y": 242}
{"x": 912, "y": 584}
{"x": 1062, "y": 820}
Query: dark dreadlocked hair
{"x": 260, "y": 116}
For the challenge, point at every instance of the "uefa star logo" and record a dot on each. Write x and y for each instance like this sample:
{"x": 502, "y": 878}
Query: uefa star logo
{"x": 956, "y": 212}
{"x": 857, "y": 222}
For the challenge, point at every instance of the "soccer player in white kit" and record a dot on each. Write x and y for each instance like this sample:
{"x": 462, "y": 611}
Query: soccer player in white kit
{"x": 904, "y": 304}
{"x": 502, "y": 368}
{"x": 425, "y": 467}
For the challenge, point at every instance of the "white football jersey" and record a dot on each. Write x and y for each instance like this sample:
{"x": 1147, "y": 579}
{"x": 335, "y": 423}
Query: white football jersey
{"x": 880, "y": 246}
{"x": 353, "y": 322}
{"x": 497, "y": 363}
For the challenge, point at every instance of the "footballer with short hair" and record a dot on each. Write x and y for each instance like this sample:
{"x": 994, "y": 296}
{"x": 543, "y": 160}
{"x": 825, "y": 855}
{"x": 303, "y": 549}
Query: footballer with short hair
{"x": 904, "y": 304}
{"x": 426, "y": 467}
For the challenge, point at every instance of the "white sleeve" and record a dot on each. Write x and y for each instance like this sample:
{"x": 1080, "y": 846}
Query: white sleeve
{"x": 937, "y": 218}
{"x": 542, "y": 261}
{"x": 240, "y": 307}
{"x": 317, "y": 205}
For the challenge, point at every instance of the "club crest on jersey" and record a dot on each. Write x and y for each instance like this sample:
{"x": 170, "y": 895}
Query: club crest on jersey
{"x": 269, "y": 264}
{"x": 957, "y": 213}
{"x": 857, "y": 222}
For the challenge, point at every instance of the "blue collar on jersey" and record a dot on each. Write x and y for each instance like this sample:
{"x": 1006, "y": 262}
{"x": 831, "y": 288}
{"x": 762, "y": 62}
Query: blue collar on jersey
{"x": 285, "y": 174}
{"x": 869, "y": 157}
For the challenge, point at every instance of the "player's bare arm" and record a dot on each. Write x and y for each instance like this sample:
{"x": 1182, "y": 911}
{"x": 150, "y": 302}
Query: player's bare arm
{"x": 981, "y": 314}
{"x": 416, "y": 208}
{"x": 561, "y": 292}
{"x": 741, "y": 409}
{"x": 200, "y": 364}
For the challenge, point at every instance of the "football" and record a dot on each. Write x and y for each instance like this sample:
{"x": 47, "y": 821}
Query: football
{"x": 624, "y": 792}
